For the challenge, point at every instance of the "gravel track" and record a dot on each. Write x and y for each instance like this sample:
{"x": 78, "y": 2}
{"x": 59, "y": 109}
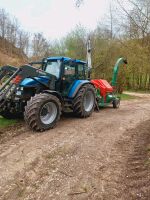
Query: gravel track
{"x": 105, "y": 156}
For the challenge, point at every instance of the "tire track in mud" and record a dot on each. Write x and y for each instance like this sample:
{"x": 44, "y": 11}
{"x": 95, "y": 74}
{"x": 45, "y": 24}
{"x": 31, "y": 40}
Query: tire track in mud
{"x": 137, "y": 182}
{"x": 127, "y": 174}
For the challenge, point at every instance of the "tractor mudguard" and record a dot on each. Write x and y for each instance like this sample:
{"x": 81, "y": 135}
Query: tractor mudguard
{"x": 31, "y": 82}
{"x": 55, "y": 93}
{"x": 76, "y": 86}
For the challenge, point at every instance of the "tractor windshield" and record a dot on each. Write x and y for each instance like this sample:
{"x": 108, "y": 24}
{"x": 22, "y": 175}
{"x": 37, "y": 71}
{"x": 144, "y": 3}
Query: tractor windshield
{"x": 53, "y": 67}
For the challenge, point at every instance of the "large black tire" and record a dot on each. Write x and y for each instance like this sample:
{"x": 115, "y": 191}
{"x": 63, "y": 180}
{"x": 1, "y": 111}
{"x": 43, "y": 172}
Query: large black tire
{"x": 42, "y": 112}
{"x": 116, "y": 103}
{"x": 8, "y": 115}
{"x": 84, "y": 101}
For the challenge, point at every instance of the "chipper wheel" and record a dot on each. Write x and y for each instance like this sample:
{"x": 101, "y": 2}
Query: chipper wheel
{"x": 42, "y": 112}
{"x": 84, "y": 101}
{"x": 116, "y": 103}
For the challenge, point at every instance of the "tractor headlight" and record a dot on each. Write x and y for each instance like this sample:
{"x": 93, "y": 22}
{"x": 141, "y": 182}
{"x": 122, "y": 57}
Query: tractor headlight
{"x": 19, "y": 91}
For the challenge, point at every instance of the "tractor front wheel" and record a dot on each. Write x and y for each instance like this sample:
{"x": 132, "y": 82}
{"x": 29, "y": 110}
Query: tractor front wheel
{"x": 84, "y": 101}
{"x": 42, "y": 112}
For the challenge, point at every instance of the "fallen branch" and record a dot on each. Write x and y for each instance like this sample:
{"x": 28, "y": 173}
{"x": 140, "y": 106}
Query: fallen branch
{"x": 76, "y": 193}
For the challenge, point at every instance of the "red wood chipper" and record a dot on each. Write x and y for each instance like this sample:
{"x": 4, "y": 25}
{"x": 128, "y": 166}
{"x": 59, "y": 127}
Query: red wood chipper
{"x": 106, "y": 92}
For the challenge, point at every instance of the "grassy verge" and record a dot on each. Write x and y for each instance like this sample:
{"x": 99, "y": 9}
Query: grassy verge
{"x": 5, "y": 122}
{"x": 127, "y": 97}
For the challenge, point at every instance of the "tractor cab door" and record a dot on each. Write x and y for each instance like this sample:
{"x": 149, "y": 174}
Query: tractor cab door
{"x": 81, "y": 71}
{"x": 69, "y": 76}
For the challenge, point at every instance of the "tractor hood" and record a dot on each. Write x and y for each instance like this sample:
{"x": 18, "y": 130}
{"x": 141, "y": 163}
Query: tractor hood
{"x": 31, "y": 82}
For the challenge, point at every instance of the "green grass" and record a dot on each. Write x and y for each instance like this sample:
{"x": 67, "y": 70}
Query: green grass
{"x": 5, "y": 122}
{"x": 127, "y": 97}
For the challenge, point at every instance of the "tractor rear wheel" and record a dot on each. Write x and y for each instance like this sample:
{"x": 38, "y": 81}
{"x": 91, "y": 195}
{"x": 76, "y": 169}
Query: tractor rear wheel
{"x": 42, "y": 112}
{"x": 84, "y": 101}
{"x": 116, "y": 103}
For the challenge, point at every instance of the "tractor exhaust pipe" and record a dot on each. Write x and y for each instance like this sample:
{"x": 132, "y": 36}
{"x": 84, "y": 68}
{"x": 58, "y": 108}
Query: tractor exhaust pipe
{"x": 89, "y": 58}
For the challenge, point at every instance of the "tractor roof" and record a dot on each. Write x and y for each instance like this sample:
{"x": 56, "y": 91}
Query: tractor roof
{"x": 65, "y": 59}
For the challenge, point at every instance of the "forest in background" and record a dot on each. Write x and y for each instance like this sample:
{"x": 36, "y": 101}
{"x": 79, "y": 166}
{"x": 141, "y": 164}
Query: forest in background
{"x": 124, "y": 31}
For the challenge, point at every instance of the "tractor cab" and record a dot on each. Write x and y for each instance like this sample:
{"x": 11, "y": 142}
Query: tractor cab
{"x": 66, "y": 70}
{"x": 63, "y": 66}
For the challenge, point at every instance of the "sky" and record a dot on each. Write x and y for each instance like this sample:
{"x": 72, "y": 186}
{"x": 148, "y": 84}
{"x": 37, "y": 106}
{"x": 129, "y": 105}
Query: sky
{"x": 55, "y": 18}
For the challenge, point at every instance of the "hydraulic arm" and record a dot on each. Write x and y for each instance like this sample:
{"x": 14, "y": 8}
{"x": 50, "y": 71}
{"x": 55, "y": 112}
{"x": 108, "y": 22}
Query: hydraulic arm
{"x": 9, "y": 87}
{"x": 6, "y": 70}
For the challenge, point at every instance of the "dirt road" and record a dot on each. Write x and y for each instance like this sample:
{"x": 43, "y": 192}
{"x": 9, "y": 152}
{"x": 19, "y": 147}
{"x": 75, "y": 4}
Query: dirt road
{"x": 106, "y": 156}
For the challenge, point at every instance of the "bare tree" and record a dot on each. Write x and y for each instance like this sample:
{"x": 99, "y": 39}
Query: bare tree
{"x": 40, "y": 46}
{"x": 78, "y": 2}
{"x": 138, "y": 17}
{"x": 23, "y": 41}
{"x": 3, "y": 23}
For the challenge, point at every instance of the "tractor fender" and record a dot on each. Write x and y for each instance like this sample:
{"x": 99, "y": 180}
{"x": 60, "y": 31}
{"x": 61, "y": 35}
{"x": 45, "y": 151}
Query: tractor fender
{"x": 55, "y": 93}
{"x": 76, "y": 86}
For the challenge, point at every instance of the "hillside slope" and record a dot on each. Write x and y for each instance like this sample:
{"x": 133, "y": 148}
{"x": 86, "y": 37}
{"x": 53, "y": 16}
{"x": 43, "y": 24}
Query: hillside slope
{"x": 9, "y": 54}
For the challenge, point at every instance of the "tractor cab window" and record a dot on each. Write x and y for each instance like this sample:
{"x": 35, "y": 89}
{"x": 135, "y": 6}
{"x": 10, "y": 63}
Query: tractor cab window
{"x": 69, "y": 70}
{"x": 69, "y": 76}
{"x": 81, "y": 71}
{"x": 53, "y": 67}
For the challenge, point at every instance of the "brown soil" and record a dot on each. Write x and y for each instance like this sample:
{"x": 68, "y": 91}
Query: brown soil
{"x": 106, "y": 156}
{"x": 9, "y": 54}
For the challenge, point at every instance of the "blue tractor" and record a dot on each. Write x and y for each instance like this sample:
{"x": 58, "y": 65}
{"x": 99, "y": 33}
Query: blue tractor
{"x": 41, "y": 91}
